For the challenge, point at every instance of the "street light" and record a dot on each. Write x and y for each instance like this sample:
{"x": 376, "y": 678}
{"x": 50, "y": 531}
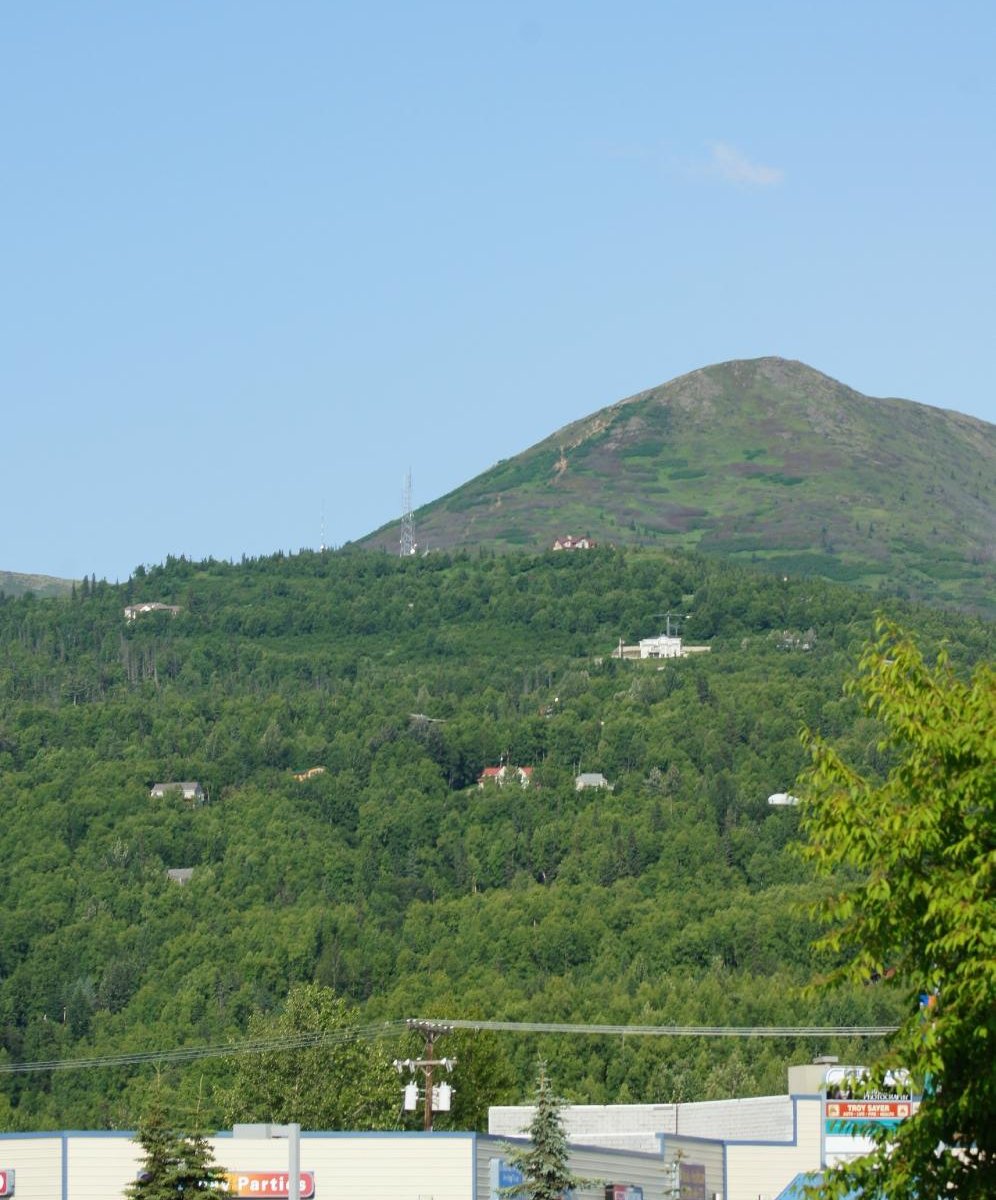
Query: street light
{"x": 293, "y": 1135}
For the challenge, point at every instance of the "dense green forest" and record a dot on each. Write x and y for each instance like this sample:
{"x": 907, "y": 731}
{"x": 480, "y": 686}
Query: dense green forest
{"x": 676, "y": 897}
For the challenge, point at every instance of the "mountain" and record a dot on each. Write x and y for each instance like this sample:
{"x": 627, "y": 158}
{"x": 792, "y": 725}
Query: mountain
{"x": 12, "y": 584}
{"x": 765, "y": 460}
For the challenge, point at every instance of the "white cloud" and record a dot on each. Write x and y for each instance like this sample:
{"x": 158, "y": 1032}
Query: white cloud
{"x": 732, "y": 166}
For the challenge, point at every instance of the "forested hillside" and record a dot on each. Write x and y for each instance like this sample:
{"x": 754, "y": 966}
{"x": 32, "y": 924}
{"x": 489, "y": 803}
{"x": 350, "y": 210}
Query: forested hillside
{"x": 674, "y": 897}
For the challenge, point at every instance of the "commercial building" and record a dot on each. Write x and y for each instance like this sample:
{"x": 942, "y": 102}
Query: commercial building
{"x": 362, "y": 1166}
{"x": 746, "y": 1149}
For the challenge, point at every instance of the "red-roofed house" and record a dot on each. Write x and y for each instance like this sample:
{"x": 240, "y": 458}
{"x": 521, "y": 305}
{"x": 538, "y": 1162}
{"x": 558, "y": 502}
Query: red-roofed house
{"x": 504, "y": 774}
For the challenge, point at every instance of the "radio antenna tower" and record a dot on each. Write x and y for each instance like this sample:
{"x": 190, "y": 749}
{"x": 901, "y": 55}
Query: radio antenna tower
{"x": 667, "y": 617}
{"x": 407, "y": 519}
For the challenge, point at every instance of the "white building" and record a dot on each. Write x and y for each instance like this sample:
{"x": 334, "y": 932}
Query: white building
{"x": 750, "y": 1149}
{"x": 133, "y": 611}
{"x": 662, "y": 646}
{"x": 187, "y": 789}
{"x": 363, "y": 1166}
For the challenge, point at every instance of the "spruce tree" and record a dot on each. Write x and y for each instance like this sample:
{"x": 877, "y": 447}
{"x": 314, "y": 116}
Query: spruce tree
{"x": 544, "y": 1165}
{"x": 174, "y": 1164}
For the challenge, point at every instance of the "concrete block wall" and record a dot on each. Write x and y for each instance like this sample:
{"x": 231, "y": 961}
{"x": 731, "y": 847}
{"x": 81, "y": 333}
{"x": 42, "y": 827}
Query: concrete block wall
{"x": 766, "y": 1117}
{"x": 588, "y": 1122}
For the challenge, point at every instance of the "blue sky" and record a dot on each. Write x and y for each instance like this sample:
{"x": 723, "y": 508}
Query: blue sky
{"x": 261, "y": 258}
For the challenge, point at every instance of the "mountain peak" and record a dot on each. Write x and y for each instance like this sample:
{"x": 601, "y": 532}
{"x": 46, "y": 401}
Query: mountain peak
{"x": 763, "y": 459}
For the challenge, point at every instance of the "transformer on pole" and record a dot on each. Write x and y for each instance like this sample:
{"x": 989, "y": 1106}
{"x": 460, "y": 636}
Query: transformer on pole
{"x": 437, "y": 1097}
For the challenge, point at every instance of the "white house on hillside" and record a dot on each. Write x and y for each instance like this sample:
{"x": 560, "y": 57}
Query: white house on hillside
{"x": 188, "y": 789}
{"x": 591, "y": 779}
{"x": 133, "y": 611}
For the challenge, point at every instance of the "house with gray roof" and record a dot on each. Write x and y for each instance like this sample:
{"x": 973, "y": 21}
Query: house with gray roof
{"x": 591, "y": 779}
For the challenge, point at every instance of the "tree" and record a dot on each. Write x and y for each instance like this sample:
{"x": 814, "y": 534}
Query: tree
{"x": 546, "y": 1175}
{"x": 916, "y": 852}
{"x": 174, "y": 1164}
{"x": 338, "y": 1082}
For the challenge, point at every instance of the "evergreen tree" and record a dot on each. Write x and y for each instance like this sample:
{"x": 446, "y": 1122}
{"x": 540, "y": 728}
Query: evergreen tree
{"x": 173, "y": 1164}
{"x": 544, "y": 1165}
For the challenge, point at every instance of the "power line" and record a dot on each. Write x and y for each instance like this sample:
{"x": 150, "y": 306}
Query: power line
{"x": 715, "y": 1031}
{"x": 302, "y": 1041}
{"x": 393, "y": 1029}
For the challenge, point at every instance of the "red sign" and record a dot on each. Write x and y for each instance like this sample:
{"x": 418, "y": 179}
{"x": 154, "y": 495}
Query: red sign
{"x": 6, "y": 1182}
{"x": 868, "y": 1110}
{"x": 273, "y": 1184}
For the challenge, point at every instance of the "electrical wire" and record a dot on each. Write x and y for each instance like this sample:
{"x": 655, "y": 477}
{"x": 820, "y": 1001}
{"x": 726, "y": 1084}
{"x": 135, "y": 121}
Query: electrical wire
{"x": 714, "y": 1031}
{"x": 393, "y": 1029}
{"x": 302, "y": 1041}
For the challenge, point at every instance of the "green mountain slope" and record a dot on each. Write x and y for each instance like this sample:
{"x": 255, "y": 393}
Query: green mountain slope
{"x": 765, "y": 461}
{"x": 390, "y": 876}
{"x": 13, "y": 584}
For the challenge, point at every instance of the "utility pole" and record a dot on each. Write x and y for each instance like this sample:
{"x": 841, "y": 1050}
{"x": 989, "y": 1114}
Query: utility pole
{"x": 438, "y": 1098}
{"x": 428, "y": 1062}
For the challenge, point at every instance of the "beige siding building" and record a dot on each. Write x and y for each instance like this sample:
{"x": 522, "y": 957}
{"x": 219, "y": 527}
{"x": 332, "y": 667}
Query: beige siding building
{"x": 32, "y": 1165}
{"x": 749, "y": 1149}
{"x": 362, "y": 1166}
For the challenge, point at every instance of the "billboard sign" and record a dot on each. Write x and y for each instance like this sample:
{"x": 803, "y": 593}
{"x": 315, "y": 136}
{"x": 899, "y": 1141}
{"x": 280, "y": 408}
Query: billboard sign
{"x": 271, "y": 1184}
{"x": 6, "y": 1181}
{"x": 853, "y": 1109}
{"x": 876, "y": 1112}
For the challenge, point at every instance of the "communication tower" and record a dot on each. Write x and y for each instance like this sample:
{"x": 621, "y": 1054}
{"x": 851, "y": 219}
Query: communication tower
{"x": 667, "y": 617}
{"x": 407, "y": 519}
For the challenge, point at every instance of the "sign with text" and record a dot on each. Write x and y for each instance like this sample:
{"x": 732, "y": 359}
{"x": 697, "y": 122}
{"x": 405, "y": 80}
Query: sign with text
{"x": 273, "y": 1184}
{"x": 6, "y": 1182}
{"x": 854, "y": 1105}
{"x": 854, "y": 1118}
{"x": 623, "y": 1191}
{"x": 501, "y": 1175}
{"x": 868, "y": 1110}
